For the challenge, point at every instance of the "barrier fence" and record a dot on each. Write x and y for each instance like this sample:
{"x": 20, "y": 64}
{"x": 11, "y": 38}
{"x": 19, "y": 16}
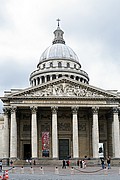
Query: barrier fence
{"x": 57, "y": 171}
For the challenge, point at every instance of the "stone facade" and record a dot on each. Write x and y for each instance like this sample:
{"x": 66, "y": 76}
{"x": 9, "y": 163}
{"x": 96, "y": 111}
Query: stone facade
{"x": 60, "y": 115}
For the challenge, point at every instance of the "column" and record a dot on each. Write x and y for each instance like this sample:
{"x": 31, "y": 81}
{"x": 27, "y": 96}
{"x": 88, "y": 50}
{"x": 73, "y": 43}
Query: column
{"x": 13, "y": 134}
{"x": 95, "y": 133}
{"x": 45, "y": 79}
{"x": 34, "y": 132}
{"x": 75, "y": 133}
{"x": 50, "y": 77}
{"x": 6, "y": 134}
{"x": 40, "y": 80}
{"x": 116, "y": 135}
{"x": 54, "y": 133}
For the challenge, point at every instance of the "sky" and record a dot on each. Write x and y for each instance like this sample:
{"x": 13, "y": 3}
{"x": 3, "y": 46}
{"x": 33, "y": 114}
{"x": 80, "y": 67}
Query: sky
{"x": 91, "y": 28}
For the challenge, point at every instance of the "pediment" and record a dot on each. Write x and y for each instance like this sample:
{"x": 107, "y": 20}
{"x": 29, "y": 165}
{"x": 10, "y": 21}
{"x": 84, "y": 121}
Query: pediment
{"x": 64, "y": 87}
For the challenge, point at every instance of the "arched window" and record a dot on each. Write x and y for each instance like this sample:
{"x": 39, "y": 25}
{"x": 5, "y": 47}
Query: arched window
{"x": 43, "y": 66}
{"x": 48, "y": 78}
{"x": 77, "y": 78}
{"x": 59, "y": 64}
{"x": 60, "y": 75}
{"x": 68, "y": 65}
{"x": 74, "y": 66}
{"x": 43, "y": 79}
{"x": 38, "y": 80}
{"x": 51, "y": 64}
{"x": 53, "y": 76}
{"x": 72, "y": 77}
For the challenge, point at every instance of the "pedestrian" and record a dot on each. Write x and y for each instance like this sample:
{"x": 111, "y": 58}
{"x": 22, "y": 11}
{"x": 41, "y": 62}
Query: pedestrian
{"x": 30, "y": 162}
{"x": 34, "y": 162}
{"x": 64, "y": 164}
{"x": 103, "y": 163}
{"x": 0, "y": 166}
{"x": 83, "y": 164}
{"x": 68, "y": 163}
{"x": 11, "y": 163}
{"x": 108, "y": 162}
{"x": 80, "y": 163}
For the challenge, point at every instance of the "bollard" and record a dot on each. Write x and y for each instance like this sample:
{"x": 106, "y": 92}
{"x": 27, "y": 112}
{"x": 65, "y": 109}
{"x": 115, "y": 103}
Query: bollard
{"x": 22, "y": 170}
{"x": 72, "y": 170}
{"x": 31, "y": 170}
{"x": 41, "y": 170}
{"x": 13, "y": 169}
{"x": 6, "y": 174}
{"x": 56, "y": 170}
{"x": 4, "y": 178}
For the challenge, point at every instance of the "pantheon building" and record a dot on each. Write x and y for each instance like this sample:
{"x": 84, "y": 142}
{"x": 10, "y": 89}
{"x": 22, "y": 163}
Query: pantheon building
{"x": 60, "y": 115}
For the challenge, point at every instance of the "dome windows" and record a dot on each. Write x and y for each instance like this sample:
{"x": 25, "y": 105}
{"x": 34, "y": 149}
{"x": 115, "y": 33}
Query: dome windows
{"x": 59, "y": 64}
{"x": 68, "y": 65}
{"x": 51, "y": 64}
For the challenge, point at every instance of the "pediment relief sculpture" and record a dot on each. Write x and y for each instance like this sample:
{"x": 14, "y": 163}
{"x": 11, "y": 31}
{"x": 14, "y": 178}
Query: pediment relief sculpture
{"x": 65, "y": 89}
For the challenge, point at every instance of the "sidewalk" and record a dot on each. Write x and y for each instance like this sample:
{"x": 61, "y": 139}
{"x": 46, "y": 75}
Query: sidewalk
{"x": 51, "y": 173}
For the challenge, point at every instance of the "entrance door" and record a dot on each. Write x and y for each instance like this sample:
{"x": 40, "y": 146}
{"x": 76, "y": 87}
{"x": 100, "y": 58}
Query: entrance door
{"x": 27, "y": 151}
{"x": 63, "y": 148}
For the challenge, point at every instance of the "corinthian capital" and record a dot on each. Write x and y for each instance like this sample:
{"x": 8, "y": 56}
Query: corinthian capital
{"x": 13, "y": 109}
{"x": 54, "y": 109}
{"x": 74, "y": 109}
{"x": 115, "y": 110}
{"x": 95, "y": 110}
{"x": 33, "y": 109}
{"x": 6, "y": 110}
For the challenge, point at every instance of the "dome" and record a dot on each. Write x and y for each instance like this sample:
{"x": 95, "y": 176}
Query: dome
{"x": 57, "y": 61}
{"x": 59, "y": 51}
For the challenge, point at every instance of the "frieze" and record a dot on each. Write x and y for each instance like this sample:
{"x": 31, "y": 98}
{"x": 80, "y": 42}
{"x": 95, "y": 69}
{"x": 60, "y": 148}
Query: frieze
{"x": 65, "y": 89}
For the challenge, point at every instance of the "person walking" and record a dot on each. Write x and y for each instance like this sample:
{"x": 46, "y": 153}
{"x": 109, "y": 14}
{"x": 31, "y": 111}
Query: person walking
{"x": 64, "y": 164}
{"x": 108, "y": 163}
{"x": 103, "y": 163}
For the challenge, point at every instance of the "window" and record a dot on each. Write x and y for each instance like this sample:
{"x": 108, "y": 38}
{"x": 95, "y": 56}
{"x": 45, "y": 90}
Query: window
{"x": 59, "y": 64}
{"x": 60, "y": 75}
{"x": 43, "y": 79}
{"x": 51, "y": 64}
{"x": 68, "y": 65}
{"x": 53, "y": 76}
{"x": 48, "y": 78}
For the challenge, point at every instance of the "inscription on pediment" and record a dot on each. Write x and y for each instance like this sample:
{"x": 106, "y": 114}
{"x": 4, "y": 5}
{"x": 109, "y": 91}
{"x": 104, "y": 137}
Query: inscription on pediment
{"x": 65, "y": 89}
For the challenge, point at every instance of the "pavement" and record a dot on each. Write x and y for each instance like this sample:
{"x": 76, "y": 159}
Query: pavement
{"x": 58, "y": 173}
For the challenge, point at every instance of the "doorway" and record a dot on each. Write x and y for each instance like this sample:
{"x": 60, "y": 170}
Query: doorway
{"x": 27, "y": 151}
{"x": 63, "y": 148}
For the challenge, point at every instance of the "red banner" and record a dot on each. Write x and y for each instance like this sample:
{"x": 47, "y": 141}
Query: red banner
{"x": 45, "y": 140}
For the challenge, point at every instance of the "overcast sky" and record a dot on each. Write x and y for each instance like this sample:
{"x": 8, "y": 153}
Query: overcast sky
{"x": 91, "y": 28}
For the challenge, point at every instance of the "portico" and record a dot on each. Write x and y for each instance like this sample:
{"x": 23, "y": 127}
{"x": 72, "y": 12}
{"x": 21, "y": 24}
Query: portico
{"x": 82, "y": 126}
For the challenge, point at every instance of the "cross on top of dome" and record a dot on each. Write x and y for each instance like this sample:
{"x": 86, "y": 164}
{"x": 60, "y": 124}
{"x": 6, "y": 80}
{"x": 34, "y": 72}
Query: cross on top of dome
{"x": 58, "y": 21}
